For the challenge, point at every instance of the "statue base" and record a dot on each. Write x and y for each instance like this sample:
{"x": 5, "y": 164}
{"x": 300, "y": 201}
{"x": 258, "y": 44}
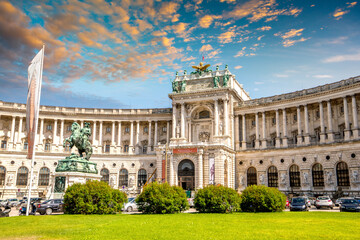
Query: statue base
{"x": 75, "y": 163}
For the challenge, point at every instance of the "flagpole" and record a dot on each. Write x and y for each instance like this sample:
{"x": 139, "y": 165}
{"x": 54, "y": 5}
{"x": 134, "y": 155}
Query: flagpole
{"x": 33, "y": 148}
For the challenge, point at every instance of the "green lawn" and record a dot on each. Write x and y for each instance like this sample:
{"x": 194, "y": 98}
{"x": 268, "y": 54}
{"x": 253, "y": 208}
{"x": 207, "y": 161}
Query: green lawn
{"x": 286, "y": 225}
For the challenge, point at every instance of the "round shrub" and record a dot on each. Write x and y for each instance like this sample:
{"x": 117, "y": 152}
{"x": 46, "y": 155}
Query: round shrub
{"x": 93, "y": 197}
{"x": 262, "y": 199}
{"x": 217, "y": 199}
{"x": 162, "y": 198}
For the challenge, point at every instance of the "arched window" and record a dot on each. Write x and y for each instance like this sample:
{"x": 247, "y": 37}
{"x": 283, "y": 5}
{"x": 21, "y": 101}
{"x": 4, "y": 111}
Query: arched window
{"x": 294, "y": 174}
{"x": 318, "y": 175}
{"x": 2, "y": 175}
{"x": 123, "y": 178}
{"x": 251, "y": 176}
{"x": 142, "y": 177}
{"x": 273, "y": 177}
{"x": 204, "y": 114}
{"x": 104, "y": 175}
{"x": 44, "y": 176}
{"x": 22, "y": 176}
{"x": 342, "y": 174}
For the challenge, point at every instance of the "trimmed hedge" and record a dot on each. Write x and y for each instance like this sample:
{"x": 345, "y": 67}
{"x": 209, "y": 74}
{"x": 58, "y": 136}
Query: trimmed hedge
{"x": 217, "y": 199}
{"x": 262, "y": 199}
{"x": 93, "y": 197}
{"x": 161, "y": 198}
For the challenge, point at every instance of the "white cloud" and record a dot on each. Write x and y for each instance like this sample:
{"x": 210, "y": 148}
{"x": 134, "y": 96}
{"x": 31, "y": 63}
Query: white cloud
{"x": 343, "y": 58}
{"x": 238, "y": 67}
{"x": 281, "y": 75}
{"x": 323, "y": 76}
{"x": 258, "y": 83}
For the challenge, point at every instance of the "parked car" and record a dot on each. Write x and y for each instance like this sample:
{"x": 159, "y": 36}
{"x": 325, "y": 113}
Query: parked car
{"x": 338, "y": 202}
{"x": 3, "y": 203}
{"x": 13, "y": 202}
{"x": 349, "y": 205}
{"x": 299, "y": 204}
{"x": 130, "y": 205}
{"x": 324, "y": 201}
{"x": 50, "y": 206}
{"x": 308, "y": 202}
{"x": 312, "y": 200}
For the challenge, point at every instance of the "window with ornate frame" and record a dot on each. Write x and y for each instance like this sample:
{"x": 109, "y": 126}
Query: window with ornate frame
{"x": 142, "y": 177}
{"x": 3, "y": 144}
{"x": 123, "y": 178}
{"x": 104, "y": 173}
{"x": 22, "y": 176}
{"x": 294, "y": 176}
{"x": 126, "y": 148}
{"x": 2, "y": 175}
{"x": 273, "y": 177}
{"x": 251, "y": 176}
{"x": 318, "y": 175}
{"x": 342, "y": 174}
{"x": 44, "y": 176}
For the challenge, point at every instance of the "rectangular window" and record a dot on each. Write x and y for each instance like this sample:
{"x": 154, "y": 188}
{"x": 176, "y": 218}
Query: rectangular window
{"x": 144, "y": 149}
{"x": 295, "y": 117}
{"x": 342, "y": 109}
{"x": 146, "y": 129}
{"x": 49, "y": 127}
{"x": 126, "y": 148}
{"x": 47, "y": 146}
{"x": 253, "y": 123}
{"x": 317, "y": 114}
{"x": 25, "y": 145}
{"x": 68, "y": 128}
{"x": 107, "y": 148}
{"x": 127, "y": 129}
{"x": 108, "y": 129}
{"x": 273, "y": 120}
{"x": 164, "y": 129}
{"x": 3, "y": 144}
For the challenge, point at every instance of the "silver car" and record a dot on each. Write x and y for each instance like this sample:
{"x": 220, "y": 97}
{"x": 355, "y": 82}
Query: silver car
{"x": 324, "y": 201}
{"x": 130, "y": 205}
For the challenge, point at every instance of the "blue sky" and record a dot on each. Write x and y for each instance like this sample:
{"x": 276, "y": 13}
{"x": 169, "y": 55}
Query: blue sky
{"x": 123, "y": 54}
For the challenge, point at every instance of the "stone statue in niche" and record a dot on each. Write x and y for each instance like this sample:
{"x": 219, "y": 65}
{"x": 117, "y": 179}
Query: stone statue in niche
{"x": 178, "y": 130}
{"x": 112, "y": 181}
{"x": 220, "y": 128}
{"x": 262, "y": 179}
{"x": 306, "y": 178}
{"x": 283, "y": 178}
{"x": 329, "y": 179}
{"x": 355, "y": 176}
{"x": 242, "y": 183}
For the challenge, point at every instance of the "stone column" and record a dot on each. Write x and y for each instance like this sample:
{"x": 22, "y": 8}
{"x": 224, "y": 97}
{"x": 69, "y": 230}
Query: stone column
{"x": 346, "y": 118}
{"x": 81, "y": 123}
{"x": 171, "y": 168}
{"x": 237, "y": 140}
{"x": 94, "y": 134}
{"x": 330, "y": 126}
{"x": 12, "y": 133}
{"x": 41, "y": 133}
{"x": 61, "y": 134}
{"x": 243, "y": 143}
{"x": 257, "y": 140}
{"x": 355, "y": 118}
{"x": 306, "y": 121}
{"x": 277, "y": 119}
{"x": 226, "y": 117}
{"x": 263, "y": 142}
{"x": 299, "y": 136}
{"x": 216, "y": 117}
{"x": 20, "y": 130}
{"x": 149, "y": 139}
{"x": 131, "y": 147}
{"x": 322, "y": 123}
{"x": 182, "y": 120}
{"x": 137, "y": 138}
{"x": 199, "y": 184}
{"x": 285, "y": 140}
{"x": 174, "y": 123}
{"x": 167, "y": 132}
{"x": 113, "y": 133}
{"x": 156, "y": 133}
{"x": 100, "y": 136}
{"x": 119, "y": 138}
{"x": 55, "y": 142}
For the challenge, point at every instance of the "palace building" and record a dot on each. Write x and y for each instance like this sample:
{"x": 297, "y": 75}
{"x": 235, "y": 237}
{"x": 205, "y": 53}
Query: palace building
{"x": 304, "y": 142}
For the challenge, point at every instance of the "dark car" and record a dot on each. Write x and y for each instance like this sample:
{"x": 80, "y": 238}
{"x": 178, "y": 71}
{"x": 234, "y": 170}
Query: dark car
{"x": 50, "y": 206}
{"x": 349, "y": 205}
{"x": 299, "y": 204}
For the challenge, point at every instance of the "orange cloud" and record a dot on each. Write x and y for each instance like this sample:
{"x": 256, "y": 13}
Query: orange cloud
{"x": 227, "y": 37}
{"x": 264, "y": 28}
{"x": 290, "y": 42}
{"x": 340, "y": 12}
{"x": 207, "y": 20}
{"x": 290, "y": 34}
{"x": 206, "y": 48}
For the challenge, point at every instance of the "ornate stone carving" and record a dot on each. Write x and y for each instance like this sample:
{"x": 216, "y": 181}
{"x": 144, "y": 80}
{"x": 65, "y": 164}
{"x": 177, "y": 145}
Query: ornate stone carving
{"x": 204, "y": 136}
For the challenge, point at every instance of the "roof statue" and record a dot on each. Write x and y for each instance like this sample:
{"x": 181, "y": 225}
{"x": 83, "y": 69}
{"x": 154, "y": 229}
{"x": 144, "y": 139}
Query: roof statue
{"x": 201, "y": 68}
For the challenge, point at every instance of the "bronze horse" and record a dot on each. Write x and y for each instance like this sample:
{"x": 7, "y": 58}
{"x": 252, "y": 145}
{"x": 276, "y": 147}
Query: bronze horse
{"x": 80, "y": 139}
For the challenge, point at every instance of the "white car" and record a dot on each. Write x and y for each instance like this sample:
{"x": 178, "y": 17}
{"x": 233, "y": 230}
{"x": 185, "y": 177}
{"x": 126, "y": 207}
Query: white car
{"x": 130, "y": 205}
{"x": 324, "y": 201}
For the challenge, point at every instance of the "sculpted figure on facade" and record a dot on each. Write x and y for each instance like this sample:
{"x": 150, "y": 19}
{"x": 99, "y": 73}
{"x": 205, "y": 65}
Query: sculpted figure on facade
{"x": 226, "y": 80}
{"x": 183, "y": 86}
{"x": 175, "y": 86}
{"x": 283, "y": 178}
{"x": 112, "y": 181}
{"x": 306, "y": 178}
{"x": 329, "y": 179}
{"x": 216, "y": 80}
{"x": 242, "y": 183}
{"x": 262, "y": 179}
{"x": 355, "y": 176}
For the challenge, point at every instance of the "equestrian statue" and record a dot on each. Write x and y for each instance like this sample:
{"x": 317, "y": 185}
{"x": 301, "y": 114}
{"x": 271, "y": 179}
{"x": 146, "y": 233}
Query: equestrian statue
{"x": 80, "y": 139}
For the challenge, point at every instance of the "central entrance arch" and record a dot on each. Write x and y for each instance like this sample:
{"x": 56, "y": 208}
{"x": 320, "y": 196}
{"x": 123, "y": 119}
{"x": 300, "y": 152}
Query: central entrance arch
{"x": 186, "y": 175}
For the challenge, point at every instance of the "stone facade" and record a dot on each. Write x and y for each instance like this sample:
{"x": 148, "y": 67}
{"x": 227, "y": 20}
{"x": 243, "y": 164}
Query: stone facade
{"x": 302, "y": 142}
